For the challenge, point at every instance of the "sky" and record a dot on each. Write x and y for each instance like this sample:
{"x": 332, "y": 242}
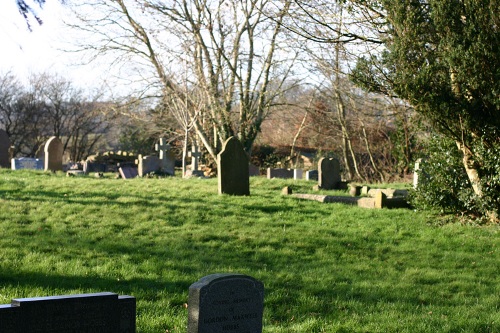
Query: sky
{"x": 41, "y": 50}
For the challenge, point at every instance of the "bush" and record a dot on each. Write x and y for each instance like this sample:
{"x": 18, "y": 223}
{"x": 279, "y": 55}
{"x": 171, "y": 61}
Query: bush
{"x": 444, "y": 185}
{"x": 443, "y": 182}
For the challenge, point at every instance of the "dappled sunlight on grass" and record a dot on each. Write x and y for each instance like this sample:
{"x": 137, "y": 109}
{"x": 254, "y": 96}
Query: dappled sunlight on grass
{"x": 325, "y": 267}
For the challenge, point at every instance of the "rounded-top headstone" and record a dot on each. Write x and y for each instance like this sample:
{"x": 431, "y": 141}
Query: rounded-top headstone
{"x": 53, "y": 154}
{"x": 226, "y": 303}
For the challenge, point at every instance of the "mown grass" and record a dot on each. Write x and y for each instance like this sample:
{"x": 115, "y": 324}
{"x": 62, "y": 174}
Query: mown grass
{"x": 325, "y": 267}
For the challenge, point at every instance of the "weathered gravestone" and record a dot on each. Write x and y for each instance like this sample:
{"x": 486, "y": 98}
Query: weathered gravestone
{"x": 232, "y": 168}
{"x": 279, "y": 173}
{"x": 298, "y": 173}
{"x": 166, "y": 157}
{"x": 90, "y": 166}
{"x": 195, "y": 155}
{"x": 328, "y": 173}
{"x": 97, "y": 313}
{"x": 231, "y": 303}
{"x": 27, "y": 163}
{"x": 53, "y": 154}
{"x": 4, "y": 149}
{"x": 147, "y": 164}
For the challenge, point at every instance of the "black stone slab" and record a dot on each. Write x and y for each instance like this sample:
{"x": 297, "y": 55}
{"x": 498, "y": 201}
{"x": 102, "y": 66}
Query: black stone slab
{"x": 84, "y": 313}
{"x": 230, "y": 303}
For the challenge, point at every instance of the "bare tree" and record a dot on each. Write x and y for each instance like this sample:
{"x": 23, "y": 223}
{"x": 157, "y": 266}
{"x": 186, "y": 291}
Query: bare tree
{"x": 233, "y": 50}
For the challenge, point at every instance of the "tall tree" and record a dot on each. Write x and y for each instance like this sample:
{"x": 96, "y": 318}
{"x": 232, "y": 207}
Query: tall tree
{"x": 444, "y": 58}
{"x": 232, "y": 52}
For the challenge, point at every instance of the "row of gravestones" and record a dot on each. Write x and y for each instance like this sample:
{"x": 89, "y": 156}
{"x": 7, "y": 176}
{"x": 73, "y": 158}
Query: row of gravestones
{"x": 52, "y": 156}
{"x": 216, "y": 303}
{"x": 328, "y": 173}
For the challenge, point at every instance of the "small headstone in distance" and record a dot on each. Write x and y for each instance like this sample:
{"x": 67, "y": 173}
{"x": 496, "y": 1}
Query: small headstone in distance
{"x": 226, "y": 303}
{"x": 53, "y": 150}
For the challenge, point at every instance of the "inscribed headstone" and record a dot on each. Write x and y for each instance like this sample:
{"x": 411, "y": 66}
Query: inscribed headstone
{"x": 96, "y": 313}
{"x": 27, "y": 163}
{"x": 53, "y": 154}
{"x": 232, "y": 168}
{"x": 226, "y": 303}
{"x": 4, "y": 149}
{"x": 328, "y": 173}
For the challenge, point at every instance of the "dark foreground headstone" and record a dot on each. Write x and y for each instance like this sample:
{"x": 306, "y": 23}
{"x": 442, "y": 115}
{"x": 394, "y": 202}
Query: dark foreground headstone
{"x": 97, "y": 313}
{"x": 221, "y": 303}
{"x": 232, "y": 168}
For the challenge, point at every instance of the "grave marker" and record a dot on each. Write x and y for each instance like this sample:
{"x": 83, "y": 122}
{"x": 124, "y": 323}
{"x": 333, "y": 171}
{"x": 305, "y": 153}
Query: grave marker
{"x": 97, "y": 313}
{"x": 232, "y": 168}
{"x": 226, "y": 303}
{"x": 279, "y": 173}
{"x": 53, "y": 154}
{"x": 27, "y": 163}
{"x": 147, "y": 164}
{"x": 166, "y": 156}
{"x": 4, "y": 149}
{"x": 195, "y": 155}
{"x": 328, "y": 173}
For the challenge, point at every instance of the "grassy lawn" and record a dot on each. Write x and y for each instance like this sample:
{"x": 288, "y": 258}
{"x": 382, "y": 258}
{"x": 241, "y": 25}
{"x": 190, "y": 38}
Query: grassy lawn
{"x": 325, "y": 267}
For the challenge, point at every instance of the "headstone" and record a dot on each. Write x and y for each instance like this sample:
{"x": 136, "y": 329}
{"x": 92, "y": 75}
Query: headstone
{"x": 96, "y": 313}
{"x": 195, "y": 155}
{"x": 90, "y": 167}
{"x": 253, "y": 170}
{"x": 226, "y": 303}
{"x": 53, "y": 154}
{"x": 127, "y": 172}
{"x": 232, "y": 168}
{"x": 166, "y": 156}
{"x": 279, "y": 173}
{"x": 4, "y": 149}
{"x": 298, "y": 173}
{"x": 147, "y": 164}
{"x": 27, "y": 163}
{"x": 328, "y": 173}
{"x": 312, "y": 175}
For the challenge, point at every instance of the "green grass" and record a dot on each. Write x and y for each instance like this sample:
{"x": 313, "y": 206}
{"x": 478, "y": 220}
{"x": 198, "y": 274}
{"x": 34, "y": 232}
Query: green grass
{"x": 325, "y": 267}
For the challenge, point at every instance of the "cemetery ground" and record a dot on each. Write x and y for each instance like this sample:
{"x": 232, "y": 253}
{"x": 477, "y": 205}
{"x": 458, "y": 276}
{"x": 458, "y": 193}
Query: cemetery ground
{"x": 325, "y": 267}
